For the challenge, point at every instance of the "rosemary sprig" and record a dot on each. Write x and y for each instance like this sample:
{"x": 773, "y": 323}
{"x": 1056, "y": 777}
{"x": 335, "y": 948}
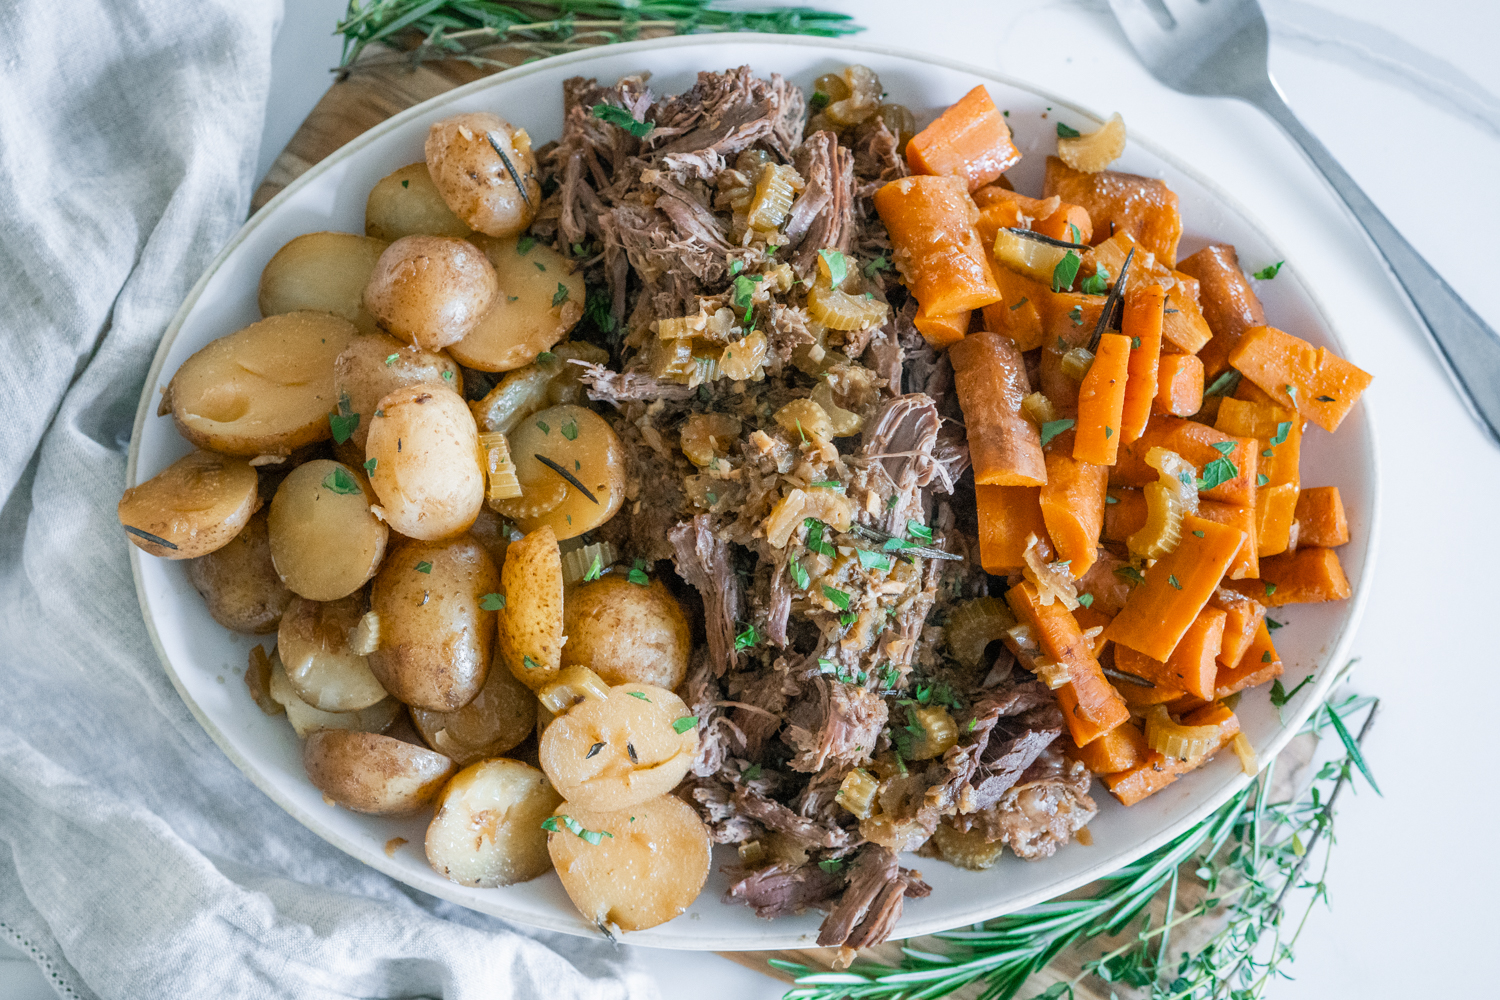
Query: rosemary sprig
{"x": 1250, "y": 853}
{"x": 463, "y": 29}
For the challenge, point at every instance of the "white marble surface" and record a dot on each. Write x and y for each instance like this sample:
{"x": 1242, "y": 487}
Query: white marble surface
{"x": 1408, "y": 97}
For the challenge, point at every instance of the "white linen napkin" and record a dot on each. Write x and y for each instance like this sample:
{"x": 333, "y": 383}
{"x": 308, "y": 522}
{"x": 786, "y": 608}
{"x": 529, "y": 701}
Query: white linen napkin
{"x": 135, "y": 860}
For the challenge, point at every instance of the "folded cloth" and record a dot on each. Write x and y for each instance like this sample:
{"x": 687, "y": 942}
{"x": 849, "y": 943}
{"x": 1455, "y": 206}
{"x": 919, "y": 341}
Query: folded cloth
{"x": 135, "y": 860}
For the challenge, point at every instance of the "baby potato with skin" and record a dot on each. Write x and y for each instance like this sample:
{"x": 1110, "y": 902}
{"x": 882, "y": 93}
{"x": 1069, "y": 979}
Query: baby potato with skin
{"x": 305, "y": 719}
{"x": 486, "y": 171}
{"x": 239, "y": 582}
{"x": 265, "y": 390}
{"x": 407, "y": 203}
{"x": 541, "y": 298}
{"x": 430, "y": 290}
{"x": 195, "y": 506}
{"x": 615, "y": 752}
{"x": 327, "y": 272}
{"x": 435, "y": 640}
{"x": 488, "y": 828}
{"x": 325, "y": 543}
{"x": 375, "y": 774}
{"x": 625, "y": 632}
{"x": 500, "y": 717}
{"x": 313, "y": 643}
{"x": 374, "y": 365}
{"x": 633, "y": 868}
{"x": 530, "y": 624}
{"x": 427, "y": 472}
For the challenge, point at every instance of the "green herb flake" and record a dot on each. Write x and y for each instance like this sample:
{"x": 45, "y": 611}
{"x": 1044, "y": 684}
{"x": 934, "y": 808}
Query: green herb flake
{"x": 1065, "y": 271}
{"x": 341, "y": 481}
{"x": 343, "y": 421}
{"x": 744, "y": 292}
{"x": 424, "y": 566}
{"x": 1053, "y": 428}
{"x": 1111, "y": 498}
{"x": 570, "y": 430}
{"x": 1076, "y": 315}
{"x": 831, "y": 865}
{"x": 752, "y": 772}
{"x": 873, "y": 560}
{"x": 1199, "y": 534}
{"x": 1269, "y": 271}
{"x": 1135, "y": 343}
{"x": 492, "y": 602}
{"x": 1096, "y": 283}
{"x": 390, "y": 359}
{"x": 685, "y": 723}
{"x": 848, "y": 618}
{"x": 1109, "y": 432}
{"x": 1270, "y": 589}
{"x": 1130, "y": 573}
{"x": 596, "y": 569}
{"x": 1262, "y": 479}
{"x": 370, "y": 465}
{"x": 1172, "y": 579}
{"x": 560, "y": 296}
{"x": 827, "y": 484}
{"x": 735, "y": 267}
{"x": 1074, "y": 233}
{"x": 1282, "y": 430}
{"x": 918, "y": 530}
{"x": 624, "y": 119}
{"x": 540, "y": 266}
{"x": 524, "y": 245}
{"x": 1224, "y": 447}
{"x": 544, "y": 427}
{"x": 1018, "y": 305}
{"x": 1224, "y": 384}
{"x": 746, "y": 639}
{"x": 838, "y": 267}
{"x": 1087, "y": 600}
{"x": 881, "y": 263}
{"x": 838, "y": 597}
{"x": 799, "y": 575}
{"x": 638, "y": 694}
{"x": 1280, "y": 695}
{"x": 1067, "y": 132}
{"x": 1217, "y": 472}
{"x": 638, "y": 575}
{"x": 406, "y": 183}
{"x": 1272, "y": 624}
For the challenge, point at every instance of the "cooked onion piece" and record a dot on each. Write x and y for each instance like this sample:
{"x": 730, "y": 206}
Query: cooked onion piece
{"x": 1093, "y": 151}
{"x": 431, "y": 290}
{"x": 407, "y": 203}
{"x": 631, "y": 868}
{"x": 322, "y": 271}
{"x": 501, "y": 715}
{"x": 239, "y": 583}
{"x": 427, "y": 471}
{"x": 194, "y": 506}
{"x": 485, "y": 170}
{"x": 577, "y": 447}
{"x": 266, "y": 390}
{"x": 488, "y": 828}
{"x": 625, "y": 632}
{"x": 325, "y": 543}
{"x": 435, "y": 637}
{"x": 548, "y": 381}
{"x": 313, "y": 642}
{"x": 370, "y": 773}
{"x": 541, "y": 298}
{"x": 305, "y": 719}
{"x": 621, "y": 750}
{"x": 373, "y": 366}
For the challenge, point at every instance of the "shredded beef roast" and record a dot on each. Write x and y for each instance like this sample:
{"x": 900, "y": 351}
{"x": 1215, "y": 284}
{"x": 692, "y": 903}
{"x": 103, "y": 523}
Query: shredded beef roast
{"x": 833, "y": 722}
{"x": 778, "y": 890}
{"x": 871, "y": 904}
{"x": 702, "y": 559}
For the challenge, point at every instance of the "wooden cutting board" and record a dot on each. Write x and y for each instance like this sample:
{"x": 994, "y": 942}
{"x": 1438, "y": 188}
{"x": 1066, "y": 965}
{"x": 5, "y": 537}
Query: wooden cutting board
{"x": 374, "y": 93}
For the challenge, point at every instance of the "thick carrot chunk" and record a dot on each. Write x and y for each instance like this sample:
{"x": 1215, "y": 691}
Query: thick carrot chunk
{"x": 1073, "y": 505}
{"x": 970, "y": 141}
{"x": 1018, "y": 313}
{"x": 1320, "y": 517}
{"x": 1143, "y": 207}
{"x": 1198, "y": 443}
{"x": 1091, "y": 706}
{"x": 1142, "y": 324}
{"x": 990, "y": 376}
{"x": 1179, "y": 385}
{"x": 1227, "y": 300}
{"x": 1275, "y": 509}
{"x": 1307, "y": 576}
{"x": 1183, "y": 325}
{"x": 1277, "y": 428}
{"x": 1243, "y": 618}
{"x": 1246, "y": 564}
{"x": 1101, "y": 400}
{"x": 1120, "y": 749}
{"x": 942, "y": 331}
{"x": 931, "y": 224}
{"x": 1124, "y": 513}
{"x": 1177, "y": 586}
{"x": 1319, "y": 384}
{"x": 1192, "y": 666}
{"x": 1008, "y": 515}
{"x": 1259, "y": 665}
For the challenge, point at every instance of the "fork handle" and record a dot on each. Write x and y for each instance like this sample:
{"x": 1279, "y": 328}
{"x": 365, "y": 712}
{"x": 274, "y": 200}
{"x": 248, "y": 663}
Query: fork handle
{"x": 1469, "y": 349}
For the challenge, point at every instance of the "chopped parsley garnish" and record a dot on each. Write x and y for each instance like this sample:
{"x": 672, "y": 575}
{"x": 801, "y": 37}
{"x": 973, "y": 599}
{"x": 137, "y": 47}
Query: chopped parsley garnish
{"x": 560, "y": 296}
{"x": 492, "y": 602}
{"x": 1076, "y": 315}
{"x": 1130, "y": 573}
{"x": 551, "y": 824}
{"x": 744, "y": 292}
{"x": 596, "y": 306}
{"x": 799, "y": 575}
{"x": 1111, "y": 498}
{"x": 447, "y": 376}
{"x": 838, "y": 267}
{"x": 1065, "y": 271}
{"x": 1265, "y": 657}
{"x": 1224, "y": 384}
{"x": 1053, "y": 428}
{"x": 685, "y": 723}
{"x": 873, "y": 560}
{"x": 570, "y": 430}
{"x": 543, "y": 426}
{"x": 1066, "y": 132}
{"x": 1087, "y": 600}
{"x": 848, "y": 618}
{"x": 1198, "y": 534}
{"x": 371, "y": 464}
{"x": 390, "y": 359}
{"x": 624, "y": 119}
{"x": 815, "y": 541}
{"x": 918, "y": 530}
{"x": 1075, "y": 234}
{"x": 524, "y": 245}
{"x": 838, "y": 597}
{"x": 529, "y": 663}
{"x": 596, "y": 570}
{"x": 1221, "y": 470}
{"x": 1269, "y": 271}
{"x": 1272, "y": 624}
{"x": 546, "y": 358}
{"x": 752, "y": 772}
{"x": 424, "y": 566}
{"x": 818, "y": 100}
{"x": 540, "y": 266}
{"x": 1270, "y": 589}
{"x": 638, "y": 574}
{"x": 735, "y": 267}
{"x": 1291, "y": 390}
{"x": 1280, "y": 695}
{"x": 343, "y": 422}
{"x": 828, "y": 484}
{"x": 1096, "y": 283}
{"x": 1282, "y": 430}
{"x": 831, "y": 865}
{"x": 1262, "y": 479}
{"x": 1172, "y": 579}
{"x": 340, "y": 481}
{"x": 638, "y": 694}
{"x": 881, "y": 263}
{"x": 747, "y": 638}
{"x": 1109, "y": 432}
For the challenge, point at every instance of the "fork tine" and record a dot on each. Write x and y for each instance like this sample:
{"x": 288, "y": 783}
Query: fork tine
{"x": 1145, "y": 27}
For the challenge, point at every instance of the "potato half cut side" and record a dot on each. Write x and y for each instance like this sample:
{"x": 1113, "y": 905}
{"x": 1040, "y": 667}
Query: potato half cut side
{"x": 424, "y": 461}
{"x": 313, "y": 642}
{"x": 488, "y": 828}
{"x": 194, "y": 506}
{"x": 375, "y": 774}
{"x": 501, "y": 716}
{"x": 327, "y": 272}
{"x": 325, "y": 543}
{"x": 611, "y": 753}
{"x": 531, "y": 621}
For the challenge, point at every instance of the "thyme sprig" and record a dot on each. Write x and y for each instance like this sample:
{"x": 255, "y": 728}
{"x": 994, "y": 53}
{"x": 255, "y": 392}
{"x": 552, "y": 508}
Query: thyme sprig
{"x": 1249, "y": 854}
{"x": 465, "y": 30}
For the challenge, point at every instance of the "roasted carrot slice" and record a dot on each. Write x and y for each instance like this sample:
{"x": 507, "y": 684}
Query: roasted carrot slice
{"x": 1120, "y": 749}
{"x": 1176, "y": 587}
{"x": 970, "y": 141}
{"x": 1226, "y": 299}
{"x": 1319, "y": 384}
{"x": 1260, "y": 664}
{"x": 1008, "y": 515}
{"x": 942, "y": 331}
{"x": 931, "y": 224}
{"x": 990, "y": 376}
{"x": 1246, "y": 564}
{"x": 1157, "y": 772}
{"x": 1320, "y": 517}
{"x": 1179, "y": 385}
{"x": 1138, "y": 696}
{"x": 1000, "y": 208}
{"x": 1101, "y": 400}
{"x": 1192, "y": 665}
{"x": 1073, "y": 505}
{"x": 1125, "y": 513}
{"x": 1142, "y": 325}
{"x": 1143, "y": 207}
{"x": 1277, "y": 428}
{"x": 1091, "y": 706}
{"x": 1307, "y": 576}
{"x": 1243, "y": 618}
{"x": 1018, "y": 313}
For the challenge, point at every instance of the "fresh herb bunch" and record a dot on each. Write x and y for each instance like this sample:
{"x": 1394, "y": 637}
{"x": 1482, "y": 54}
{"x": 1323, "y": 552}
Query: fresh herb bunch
{"x": 463, "y": 29}
{"x": 1249, "y": 854}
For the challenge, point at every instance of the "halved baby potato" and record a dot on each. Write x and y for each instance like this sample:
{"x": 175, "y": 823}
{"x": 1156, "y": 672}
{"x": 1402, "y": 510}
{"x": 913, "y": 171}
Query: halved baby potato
{"x": 435, "y": 639}
{"x": 630, "y": 868}
{"x": 488, "y": 828}
{"x": 306, "y": 720}
{"x": 625, "y": 632}
{"x": 424, "y": 462}
{"x": 239, "y": 583}
{"x": 485, "y": 170}
{"x": 373, "y": 366}
{"x": 407, "y": 203}
{"x": 530, "y": 632}
{"x": 541, "y": 298}
{"x": 370, "y": 773}
{"x": 614, "y": 752}
{"x": 325, "y": 543}
{"x": 430, "y": 290}
{"x": 323, "y": 271}
{"x": 194, "y": 506}
{"x": 313, "y": 642}
{"x": 265, "y": 390}
{"x": 556, "y": 452}
{"x": 501, "y": 716}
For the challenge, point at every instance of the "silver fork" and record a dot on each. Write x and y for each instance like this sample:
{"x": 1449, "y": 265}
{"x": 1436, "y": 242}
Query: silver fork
{"x": 1217, "y": 48}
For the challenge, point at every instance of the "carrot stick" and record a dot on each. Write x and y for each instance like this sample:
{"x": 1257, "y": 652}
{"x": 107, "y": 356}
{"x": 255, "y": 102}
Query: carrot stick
{"x": 1008, "y": 515}
{"x": 1073, "y": 505}
{"x": 1179, "y": 385}
{"x": 1195, "y": 442}
{"x": 970, "y": 141}
{"x": 1137, "y": 696}
{"x": 1322, "y": 386}
{"x": 1157, "y": 772}
{"x": 1191, "y": 667}
{"x": 1260, "y": 663}
{"x": 1101, "y": 398}
{"x": 1279, "y": 430}
{"x": 990, "y": 376}
{"x": 1000, "y": 208}
{"x": 941, "y": 331}
{"x": 1142, "y": 324}
{"x": 1275, "y": 510}
{"x": 1018, "y": 313}
{"x": 1307, "y": 576}
{"x": 1226, "y": 299}
{"x": 1160, "y": 610}
{"x": 1246, "y": 564}
{"x": 1243, "y": 617}
{"x": 1320, "y": 517}
{"x": 931, "y": 224}
{"x": 1091, "y": 706}
{"x": 1124, "y": 513}
{"x": 1120, "y": 749}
